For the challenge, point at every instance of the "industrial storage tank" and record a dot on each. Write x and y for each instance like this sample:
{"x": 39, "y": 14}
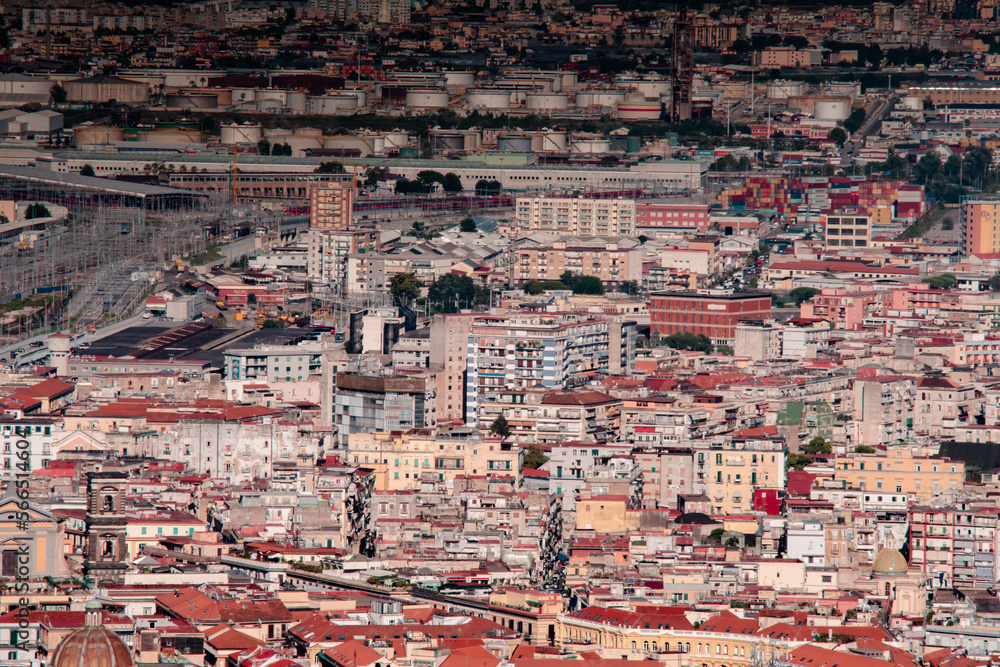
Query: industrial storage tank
{"x": 650, "y": 88}
{"x": 240, "y": 134}
{"x": 269, "y": 106}
{"x": 427, "y": 98}
{"x": 590, "y": 145}
{"x": 514, "y": 142}
{"x": 599, "y": 98}
{"x": 782, "y": 90}
{"x": 831, "y": 110}
{"x": 459, "y": 79}
{"x": 546, "y": 101}
{"x": 484, "y": 98}
{"x": 638, "y": 110}
{"x": 97, "y": 135}
{"x": 331, "y": 103}
{"x": 197, "y": 101}
{"x": 296, "y": 101}
{"x": 548, "y": 141}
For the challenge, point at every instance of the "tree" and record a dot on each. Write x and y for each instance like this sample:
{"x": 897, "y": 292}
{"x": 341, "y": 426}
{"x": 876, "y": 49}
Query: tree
{"x": 688, "y": 341}
{"x": 273, "y": 324}
{"x": 467, "y": 225}
{"x": 263, "y": 147}
{"x": 716, "y": 535}
{"x": 854, "y": 121}
{"x": 943, "y": 281}
{"x": 451, "y": 293}
{"x": 588, "y": 285}
{"x": 36, "y": 210}
{"x": 405, "y": 186}
{"x": 452, "y": 183}
{"x": 802, "y": 294}
{"x": 995, "y": 282}
{"x": 797, "y": 461}
{"x": 818, "y": 445}
{"x": 429, "y": 177}
{"x": 629, "y": 287}
{"x": 87, "y": 170}
{"x": 373, "y": 176}
{"x": 838, "y": 136}
{"x": 484, "y": 187}
{"x": 726, "y": 350}
{"x": 329, "y": 168}
{"x": 252, "y": 299}
{"x": 404, "y": 288}
{"x": 500, "y": 427}
{"x": 58, "y": 94}
{"x": 864, "y": 449}
{"x": 534, "y": 458}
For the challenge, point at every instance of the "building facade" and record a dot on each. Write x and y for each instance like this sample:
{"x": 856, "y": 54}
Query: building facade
{"x": 576, "y": 215}
{"x": 713, "y": 314}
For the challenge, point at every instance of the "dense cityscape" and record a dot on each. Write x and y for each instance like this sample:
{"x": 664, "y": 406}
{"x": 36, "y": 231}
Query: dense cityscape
{"x": 433, "y": 333}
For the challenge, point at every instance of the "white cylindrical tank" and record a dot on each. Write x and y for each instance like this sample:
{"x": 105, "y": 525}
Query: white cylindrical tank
{"x": 296, "y": 101}
{"x": 484, "y": 98}
{"x": 313, "y": 132}
{"x": 329, "y": 104}
{"x": 648, "y": 88}
{"x": 546, "y": 101}
{"x": 240, "y": 134}
{"x": 600, "y": 98}
{"x": 638, "y": 110}
{"x": 459, "y": 79}
{"x": 396, "y": 139}
{"x": 426, "y": 98}
{"x": 782, "y": 90}
{"x": 590, "y": 145}
{"x": 548, "y": 141}
{"x": 514, "y": 142}
{"x": 269, "y": 105}
{"x": 569, "y": 79}
{"x": 831, "y": 110}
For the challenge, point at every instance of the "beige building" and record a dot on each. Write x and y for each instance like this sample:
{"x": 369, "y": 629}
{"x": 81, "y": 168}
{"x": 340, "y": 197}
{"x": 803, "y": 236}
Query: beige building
{"x": 899, "y": 471}
{"x": 883, "y": 409}
{"x": 402, "y": 461}
{"x": 449, "y": 343}
{"x": 328, "y": 252}
{"x": 574, "y": 215}
{"x": 734, "y": 474}
{"x": 330, "y": 205}
{"x": 613, "y": 261}
{"x": 848, "y": 227}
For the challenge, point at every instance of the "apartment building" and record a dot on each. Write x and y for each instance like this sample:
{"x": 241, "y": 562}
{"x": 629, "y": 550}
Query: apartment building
{"x": 274, "y": 363}
{"x": 714, "y": 314}
{"x": 657, "y": 216}
{"x": 576, "y": 215}
{"x": 981, "y": 227}
{"x": 381, "y": 404}
{"x": 883, "y": 410}
{"x": 667, "y": 473}
{"x": 402, "y": 461}
{"x": 613, "y": 261}
{"x": 900, "y": 471}
{"x": 741, "y": 468}
{"x": 554, "y": 416}
{"x": 449, "y": 351}
{"x": 521, "y": 351}
{"x": 328, "y": 252}
{"x": 942, "y": 405}
{"x": 847, "y": 228}
{"x": 330, "y": 205}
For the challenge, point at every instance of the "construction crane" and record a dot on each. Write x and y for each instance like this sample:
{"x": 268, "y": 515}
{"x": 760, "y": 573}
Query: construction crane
{"x": 682, "y": 68}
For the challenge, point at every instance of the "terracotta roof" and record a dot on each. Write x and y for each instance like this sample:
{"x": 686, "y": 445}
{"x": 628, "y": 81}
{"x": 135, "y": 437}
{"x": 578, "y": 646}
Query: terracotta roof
{"x": 577, "y": 398}
{"x": 196, "y": 606}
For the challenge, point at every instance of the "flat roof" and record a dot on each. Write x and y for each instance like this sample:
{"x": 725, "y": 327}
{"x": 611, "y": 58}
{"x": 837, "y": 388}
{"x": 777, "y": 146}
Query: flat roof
{"x": 91, "y": 182}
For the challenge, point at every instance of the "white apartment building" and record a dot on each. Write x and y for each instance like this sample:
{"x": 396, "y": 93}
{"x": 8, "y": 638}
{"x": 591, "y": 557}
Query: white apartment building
{"x": 574, "y": 215}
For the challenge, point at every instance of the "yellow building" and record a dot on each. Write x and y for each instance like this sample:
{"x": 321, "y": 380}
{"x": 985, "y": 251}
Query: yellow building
{"x": 31, "y": 540}
{"x": 606, "y": 514}
{"x": 402, "y": 460}
{"x": 899, "y": 471}
{"x": 734, "y": 474}
{"x": 147, "y": 528}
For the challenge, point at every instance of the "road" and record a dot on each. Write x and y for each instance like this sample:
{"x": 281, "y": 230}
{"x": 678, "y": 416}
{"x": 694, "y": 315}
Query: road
{"x": 874, "y": 117}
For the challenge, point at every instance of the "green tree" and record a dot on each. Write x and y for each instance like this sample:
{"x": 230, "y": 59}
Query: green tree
{"x": 534, "y": 458}
{"x": 995, "y": 282}
{"x": 818, "y": 445}
{"x": 36, "y": 210}
{"x": 630, "y": 287}
{"x": 429, "y": 177}
{"x": 87, "y": 170}
{"x": 500, "y": 427}
{"x": 263, "y": 147}
{"x": 716, "y": 535}
{"x": 797, "y": 461}
{"x": 329, "y": 168}
{"x": 802, "y": 294}
{"x": 726, "y": 350}
{"x": 943, "y": 281}
{"x": 58, "y": 94}
{"x": 273, "y": 324}
{"x": 467, "y": 225}
{"x": 451, "y": 183}
{"x": 373, "y": 176}
{"x": 838, "y": 136}
{"x": 588, "y": 285}
{"x": 451, "y": 293}
{"x": 854, "y": 121}
{"x": 484, "y": 188}
{"x": 688, "y": 341}
{"x": 404, "y": 288}
{"x": 864, "y": 449}
{"x": 252, "y": 299}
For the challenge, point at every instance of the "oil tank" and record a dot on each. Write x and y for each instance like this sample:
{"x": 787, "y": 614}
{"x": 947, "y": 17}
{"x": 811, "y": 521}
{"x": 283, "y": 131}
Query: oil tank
{"x": 514, "y": 142}
{"x": 97, "y": 135}
{"x": 426, "y": 98}
{"x": 831, "y": 110}
{"x": 782, "y": 90}
{"x": 600, "y": 98}
{"x": 333, "y": 102}
{"x": 198, "y": 101}
{"x": 638, "y": 110}
{"x": 394, "y": 96}
{"x": 459, "y": 79}
{"x": 240, "y": 134}
{"x": 546, "y": 101}
{"x": 296, "y": 101}
{"x": 269, "y": 106}
{"x": 590, "y": 145}
{"x": 910, "y": 103}
{"x": 549, "y": 141}
{"x": 484, "y": 98}
{"x": 650, "y": 88}
{"x": 569, "y": 79}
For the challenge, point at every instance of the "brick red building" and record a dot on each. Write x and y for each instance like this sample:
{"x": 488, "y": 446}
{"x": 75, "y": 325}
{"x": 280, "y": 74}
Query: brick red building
{"x": 651, "y": 216}
{"x": 714, "y": 314}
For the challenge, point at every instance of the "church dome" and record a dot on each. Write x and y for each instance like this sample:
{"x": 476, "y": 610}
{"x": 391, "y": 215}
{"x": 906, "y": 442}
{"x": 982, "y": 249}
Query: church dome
{"x": 889, "y": 561}
{"x": 93, "y": 645}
